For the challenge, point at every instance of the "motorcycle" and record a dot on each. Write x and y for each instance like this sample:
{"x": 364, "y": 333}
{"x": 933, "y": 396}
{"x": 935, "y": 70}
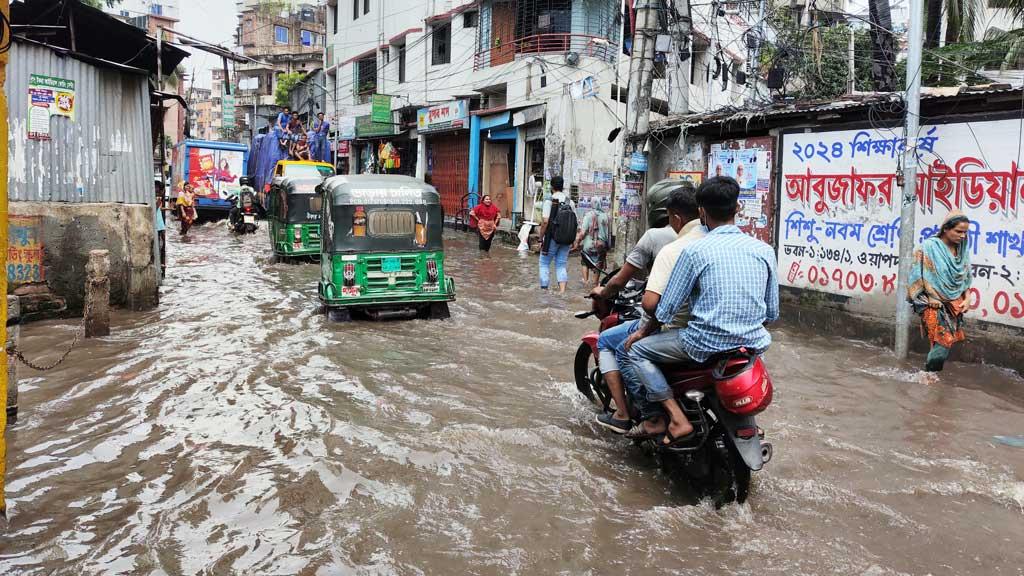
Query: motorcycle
{"x": 715, "y": 396}
{"x": 244, "y": 210}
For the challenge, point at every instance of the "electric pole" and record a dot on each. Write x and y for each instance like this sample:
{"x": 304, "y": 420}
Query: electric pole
{"x": 638, "y": 106}
{"x": 913, "y": 107}
{"x": 679, "y": 79}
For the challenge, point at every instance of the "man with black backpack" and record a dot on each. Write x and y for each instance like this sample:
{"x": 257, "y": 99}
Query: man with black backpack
{"x": 558, "y": 233}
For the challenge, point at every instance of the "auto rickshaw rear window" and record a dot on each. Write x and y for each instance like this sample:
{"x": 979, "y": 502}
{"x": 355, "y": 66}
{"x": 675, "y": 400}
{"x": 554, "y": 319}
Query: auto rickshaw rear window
{"x": 392, "y": 223}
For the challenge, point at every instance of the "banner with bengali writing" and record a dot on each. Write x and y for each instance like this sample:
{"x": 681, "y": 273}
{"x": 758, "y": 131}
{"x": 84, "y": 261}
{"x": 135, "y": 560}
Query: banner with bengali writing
{"x": 839, "y": 214}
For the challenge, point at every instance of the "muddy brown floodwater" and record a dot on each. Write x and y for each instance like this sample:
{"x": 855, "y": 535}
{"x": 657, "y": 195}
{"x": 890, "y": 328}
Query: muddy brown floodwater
{"x": 235, "y": 431}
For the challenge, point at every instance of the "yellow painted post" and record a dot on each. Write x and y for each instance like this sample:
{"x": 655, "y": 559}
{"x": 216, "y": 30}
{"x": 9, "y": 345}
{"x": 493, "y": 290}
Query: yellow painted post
{"x": 5, "y": 39}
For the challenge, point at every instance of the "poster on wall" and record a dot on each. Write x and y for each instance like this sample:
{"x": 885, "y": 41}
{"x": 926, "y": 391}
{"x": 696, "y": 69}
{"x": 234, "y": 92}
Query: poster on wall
{"x": 48, "y": 96}
{"x": 215, "y": 174}
{"x": 595, "y": 191}
{"x": 748, "y": 161}
{"x": 693, "y": 177}
{"x": 840, "y": 218}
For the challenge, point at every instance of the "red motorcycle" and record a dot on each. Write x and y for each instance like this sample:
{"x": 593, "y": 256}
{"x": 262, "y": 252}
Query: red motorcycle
{"x": 719, "y": 397}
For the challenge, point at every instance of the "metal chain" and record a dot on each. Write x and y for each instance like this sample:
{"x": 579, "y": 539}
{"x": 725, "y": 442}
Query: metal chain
{"x": 14, "y": 351}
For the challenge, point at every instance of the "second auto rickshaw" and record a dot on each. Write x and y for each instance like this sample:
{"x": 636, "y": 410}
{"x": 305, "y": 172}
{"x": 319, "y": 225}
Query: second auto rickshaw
{"x": 293, "y": 214}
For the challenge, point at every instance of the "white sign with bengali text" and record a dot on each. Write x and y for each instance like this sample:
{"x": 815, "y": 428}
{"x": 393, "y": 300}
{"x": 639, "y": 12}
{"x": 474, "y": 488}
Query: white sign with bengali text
{"x": 839, "y": 215}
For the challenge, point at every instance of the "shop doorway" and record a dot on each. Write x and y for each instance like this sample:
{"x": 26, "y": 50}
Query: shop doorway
{"x": 448, "y": 167}
{"x": 499, "y": 163}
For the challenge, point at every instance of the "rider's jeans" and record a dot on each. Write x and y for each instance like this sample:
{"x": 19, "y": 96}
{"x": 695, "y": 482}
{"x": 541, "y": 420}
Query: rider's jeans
{"x": 612, "y": 357}
{"x": 646, "y": 354}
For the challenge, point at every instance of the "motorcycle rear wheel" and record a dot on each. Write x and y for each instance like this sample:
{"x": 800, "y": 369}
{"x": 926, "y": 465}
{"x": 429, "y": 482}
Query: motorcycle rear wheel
{"x": 726, "y": 478}
{"x": 589, "y": 380}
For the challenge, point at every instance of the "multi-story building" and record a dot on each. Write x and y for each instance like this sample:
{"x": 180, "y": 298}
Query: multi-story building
{"x": 489, "y": 96}
{"x": 201, "y": 113}
{"x": 284, "y": 37}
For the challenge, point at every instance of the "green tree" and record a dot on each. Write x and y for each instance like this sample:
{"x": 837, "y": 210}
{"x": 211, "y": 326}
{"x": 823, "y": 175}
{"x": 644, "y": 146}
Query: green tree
{"x": 285, "y": 84}
{"x": 100, "y": 3}
{"x": 816, "y": 59}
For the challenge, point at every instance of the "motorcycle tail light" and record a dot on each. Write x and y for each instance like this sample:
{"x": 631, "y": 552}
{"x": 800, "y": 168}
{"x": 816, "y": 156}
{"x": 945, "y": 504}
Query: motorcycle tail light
{"x": 432, "y": 270}
{"x": 349, "y": 274}
{"x": 746, "y": 433}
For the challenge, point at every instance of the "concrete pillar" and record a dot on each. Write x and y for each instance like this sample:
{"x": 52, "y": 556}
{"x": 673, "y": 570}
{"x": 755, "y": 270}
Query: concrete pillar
{"x": 421, "y": 156}
{"x": 97, "y": 294}
{"x": 521, "y": 166}
{"x": 13, "y": 336}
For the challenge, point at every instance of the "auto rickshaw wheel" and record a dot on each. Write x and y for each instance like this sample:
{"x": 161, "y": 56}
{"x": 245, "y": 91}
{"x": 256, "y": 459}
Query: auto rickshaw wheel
{"x": 439, "y": 311}
{"x": 339, "y": 314}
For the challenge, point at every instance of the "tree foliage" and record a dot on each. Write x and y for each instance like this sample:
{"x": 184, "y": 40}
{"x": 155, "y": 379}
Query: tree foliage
{"x": 100, "y": 3}
{"x": 816, "y": 59}
{"x": 285, "y": 84}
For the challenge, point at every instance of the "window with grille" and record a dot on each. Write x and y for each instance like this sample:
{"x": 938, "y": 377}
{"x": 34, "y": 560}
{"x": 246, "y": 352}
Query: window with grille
{"x": 441, "y": 43}
{"x": 308, "y": 38}
{"x": 391, "y": 223}
{"x": 401, "y": 64}
{"x": 470, "y": 19}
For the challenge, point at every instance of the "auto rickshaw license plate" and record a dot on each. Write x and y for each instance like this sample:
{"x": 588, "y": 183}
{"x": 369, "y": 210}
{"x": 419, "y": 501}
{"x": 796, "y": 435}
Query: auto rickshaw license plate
{"x": 391, "y": 264}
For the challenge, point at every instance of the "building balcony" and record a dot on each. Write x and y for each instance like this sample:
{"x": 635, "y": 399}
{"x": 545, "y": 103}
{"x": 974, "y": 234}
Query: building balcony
{"x": 584, "y": 45}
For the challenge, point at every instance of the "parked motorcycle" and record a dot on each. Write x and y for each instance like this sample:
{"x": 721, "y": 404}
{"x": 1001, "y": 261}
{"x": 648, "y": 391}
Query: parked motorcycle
{"x": 244, "y": 210}
{"x": 720, "y": 398}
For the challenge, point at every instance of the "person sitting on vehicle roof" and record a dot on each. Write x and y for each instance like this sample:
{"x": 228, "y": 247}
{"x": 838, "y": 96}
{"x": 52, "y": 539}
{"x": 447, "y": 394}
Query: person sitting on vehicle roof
{"x": 731, "y": 284}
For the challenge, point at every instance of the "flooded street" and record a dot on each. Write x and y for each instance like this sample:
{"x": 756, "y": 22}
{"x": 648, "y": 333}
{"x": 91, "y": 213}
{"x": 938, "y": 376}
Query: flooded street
{"x": 235, "y": 431}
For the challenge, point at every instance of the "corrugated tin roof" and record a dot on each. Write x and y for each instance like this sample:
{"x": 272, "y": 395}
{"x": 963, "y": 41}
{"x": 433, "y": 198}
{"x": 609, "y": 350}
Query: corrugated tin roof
{"x": 104, "y": 154}
{"x": 783, "y": 109}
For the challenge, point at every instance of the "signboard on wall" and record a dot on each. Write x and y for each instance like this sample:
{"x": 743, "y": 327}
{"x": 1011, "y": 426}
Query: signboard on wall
{"x": 380, "y": 108}
{"x": 448, "y": 116}
{"x": 839, "y": 217}
{"x": 24, "y": 250}
{"x": 48, "y": 96}
{"x": 749, "y": 161}
{"x": 365, "y": 126}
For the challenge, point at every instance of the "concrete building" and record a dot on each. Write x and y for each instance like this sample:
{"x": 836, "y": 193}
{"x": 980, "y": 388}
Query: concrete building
{"x": 81, "y": 170}
{"x": 285, "y": 37}
{"x": 489, "y": 96}
{"x": 201, "y": 113}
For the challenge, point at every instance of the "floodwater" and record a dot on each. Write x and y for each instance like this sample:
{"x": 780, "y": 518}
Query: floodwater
{"x": 235, "y": 431}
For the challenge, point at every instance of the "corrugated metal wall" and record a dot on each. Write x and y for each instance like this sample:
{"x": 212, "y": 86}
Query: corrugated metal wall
{"x": 104, "y": 155}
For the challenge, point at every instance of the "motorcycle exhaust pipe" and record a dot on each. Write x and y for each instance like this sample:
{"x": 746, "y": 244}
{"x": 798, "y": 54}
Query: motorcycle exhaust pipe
{"x": 766, "y": 452}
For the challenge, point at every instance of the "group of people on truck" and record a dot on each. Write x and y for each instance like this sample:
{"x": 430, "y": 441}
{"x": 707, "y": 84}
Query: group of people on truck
{"x": 300, "y": 144}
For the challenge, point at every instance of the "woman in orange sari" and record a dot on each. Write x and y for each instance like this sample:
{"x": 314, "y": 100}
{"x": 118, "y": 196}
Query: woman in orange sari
{"x": 186, "y": 208}
{"x": 939, "y": 279}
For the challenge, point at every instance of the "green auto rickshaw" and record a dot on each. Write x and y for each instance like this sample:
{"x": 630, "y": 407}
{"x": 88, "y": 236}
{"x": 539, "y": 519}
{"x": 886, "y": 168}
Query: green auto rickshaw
{"x": 382, "y": 249}
{"x": 293, "y": 215}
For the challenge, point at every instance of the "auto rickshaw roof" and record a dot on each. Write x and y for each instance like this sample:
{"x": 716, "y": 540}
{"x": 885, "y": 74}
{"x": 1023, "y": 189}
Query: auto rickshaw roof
{"x": 299, "y": 184}
{"x": 347, "y": 190}
{"x": 306, "y": 162}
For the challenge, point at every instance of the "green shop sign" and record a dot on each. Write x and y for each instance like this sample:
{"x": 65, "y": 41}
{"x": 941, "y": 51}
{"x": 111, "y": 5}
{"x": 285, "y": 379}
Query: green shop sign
{"x": 365, "y": 126}
{"x": 380, "y": 108}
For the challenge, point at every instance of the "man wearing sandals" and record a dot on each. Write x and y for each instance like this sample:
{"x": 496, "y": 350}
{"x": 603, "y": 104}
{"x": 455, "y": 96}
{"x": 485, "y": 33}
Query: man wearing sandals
{"x": 730, "y": 282}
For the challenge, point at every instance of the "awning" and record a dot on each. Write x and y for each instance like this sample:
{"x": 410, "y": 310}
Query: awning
{"x": 531, "y": 114}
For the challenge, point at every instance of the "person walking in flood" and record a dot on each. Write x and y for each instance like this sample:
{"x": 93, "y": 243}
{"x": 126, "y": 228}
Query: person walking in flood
{"x": 558, "y": 233}
{"x": 940, "y": 276}
{"x": 594, "y": 237}
{"x": 487, "y": 216}
{"x": 186, "y": 208}
{"x": 161, "y": 226}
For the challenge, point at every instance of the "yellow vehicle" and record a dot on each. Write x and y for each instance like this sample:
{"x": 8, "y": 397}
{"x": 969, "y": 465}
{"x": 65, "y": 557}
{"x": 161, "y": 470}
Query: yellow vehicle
{"x": 303, "y": 169}
{"x": 296, "y": 169}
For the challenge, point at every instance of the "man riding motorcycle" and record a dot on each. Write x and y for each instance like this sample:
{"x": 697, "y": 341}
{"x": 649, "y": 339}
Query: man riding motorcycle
{"x": 731, "y": 284}
{"x": 638, "y": 263}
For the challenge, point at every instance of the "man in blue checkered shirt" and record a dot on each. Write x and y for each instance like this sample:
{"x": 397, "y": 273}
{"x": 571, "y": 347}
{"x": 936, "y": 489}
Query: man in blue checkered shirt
{"x": 730, "y": 281}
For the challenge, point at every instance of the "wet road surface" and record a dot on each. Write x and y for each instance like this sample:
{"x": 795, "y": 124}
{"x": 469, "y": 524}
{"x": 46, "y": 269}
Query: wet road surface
{"x": 235, "y": 431}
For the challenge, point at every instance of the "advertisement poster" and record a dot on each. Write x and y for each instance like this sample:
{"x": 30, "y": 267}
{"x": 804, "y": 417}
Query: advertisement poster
{"x": 48, "y": 96}
{"x": 748, "y": 161}
{"x": 215, "y": 173}
{"x": 840, "y": 210}
{"x": 595, "y": 191}
{"x": 24, "y": 250}
{"x": 694, "y": 178}
{"x": 448, "y": 116}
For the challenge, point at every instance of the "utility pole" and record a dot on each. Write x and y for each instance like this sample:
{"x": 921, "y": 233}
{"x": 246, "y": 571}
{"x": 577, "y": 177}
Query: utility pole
{"x": 638, "y": 105}
{"x": 679, "y": 90}
{"x": 851, "y": 68}
{"x": 913, "y": 106}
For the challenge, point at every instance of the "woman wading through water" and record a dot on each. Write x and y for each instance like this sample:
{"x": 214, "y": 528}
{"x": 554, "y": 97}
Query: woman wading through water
{"x": 939, "y": 279}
